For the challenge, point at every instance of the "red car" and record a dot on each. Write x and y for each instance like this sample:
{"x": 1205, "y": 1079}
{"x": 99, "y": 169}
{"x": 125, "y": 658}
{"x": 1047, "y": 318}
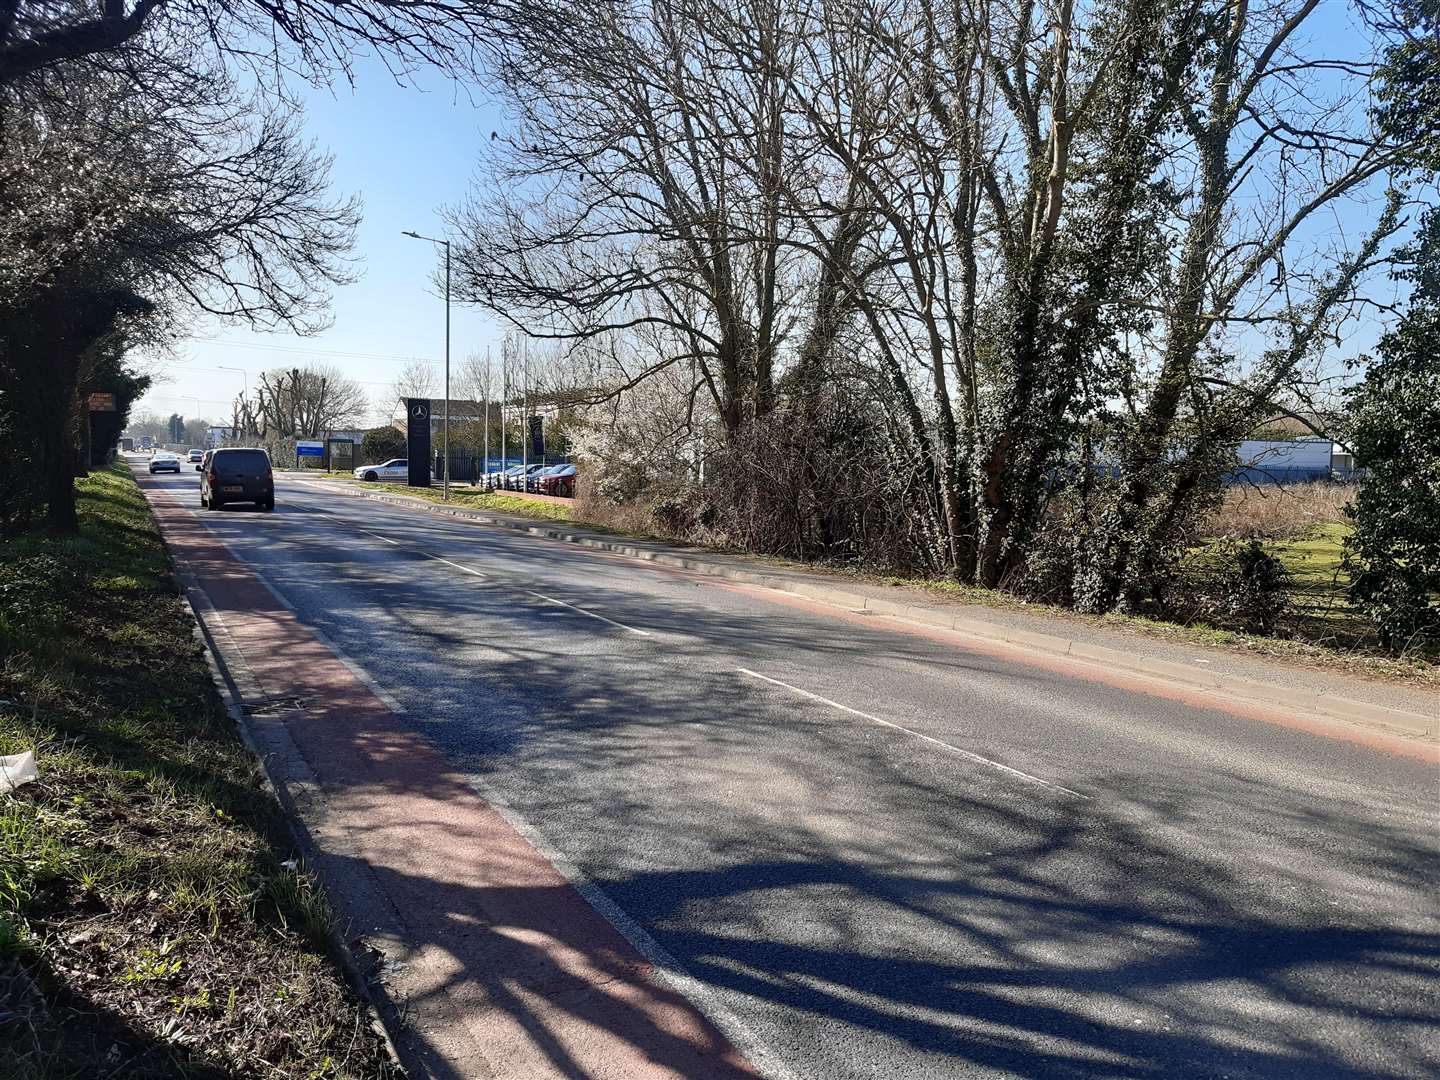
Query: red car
{"x": 557, "y": 480}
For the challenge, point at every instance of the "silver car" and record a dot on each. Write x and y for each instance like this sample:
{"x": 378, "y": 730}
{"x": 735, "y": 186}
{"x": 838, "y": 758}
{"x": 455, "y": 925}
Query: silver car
{"x": 394, "y": 469}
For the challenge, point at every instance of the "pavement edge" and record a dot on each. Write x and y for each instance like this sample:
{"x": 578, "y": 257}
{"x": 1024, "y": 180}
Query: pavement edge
{"x": 231, "y": 683}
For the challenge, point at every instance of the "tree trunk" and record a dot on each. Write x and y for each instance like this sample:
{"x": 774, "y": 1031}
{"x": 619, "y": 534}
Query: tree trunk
{"x": 49, "y": 390}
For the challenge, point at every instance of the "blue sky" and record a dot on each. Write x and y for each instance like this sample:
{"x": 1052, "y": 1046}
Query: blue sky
{"x": 407, "y": 151}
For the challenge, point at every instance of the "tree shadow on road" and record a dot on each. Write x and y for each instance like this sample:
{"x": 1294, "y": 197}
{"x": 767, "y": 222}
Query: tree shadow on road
{"x": 854, "y": 907}
{"x": 865, "y": 905}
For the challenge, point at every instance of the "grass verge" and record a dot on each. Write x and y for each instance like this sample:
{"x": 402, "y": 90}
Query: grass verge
{"x": 1319, "y": 629}
{"x": 150, "y": 925}
{"x": 498, "y": 501}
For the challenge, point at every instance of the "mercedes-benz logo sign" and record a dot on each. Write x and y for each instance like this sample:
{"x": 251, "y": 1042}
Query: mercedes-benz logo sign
{"x": 421, "y": 412}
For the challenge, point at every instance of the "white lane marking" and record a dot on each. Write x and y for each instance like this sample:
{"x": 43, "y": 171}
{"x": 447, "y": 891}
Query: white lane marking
{"x": 918, "y": 734}
{"x": 667, "y": 971}
{"x": 548, "y": 599}
{"x": 530, "y": 592}
{"x": 456, "y": 565}
{"x": 582, "y": 611}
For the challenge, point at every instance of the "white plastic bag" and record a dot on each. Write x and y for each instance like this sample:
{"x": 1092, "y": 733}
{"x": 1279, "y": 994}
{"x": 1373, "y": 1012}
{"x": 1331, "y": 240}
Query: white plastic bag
{"x": 17, "y": 769}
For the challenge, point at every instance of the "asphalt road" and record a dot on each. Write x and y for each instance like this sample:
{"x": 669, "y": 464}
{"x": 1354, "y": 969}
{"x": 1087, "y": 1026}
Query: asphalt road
{"x": 884, "y": 855}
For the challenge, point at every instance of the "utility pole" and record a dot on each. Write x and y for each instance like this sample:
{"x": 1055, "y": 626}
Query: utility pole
{"x": 446, "y": 245}
{"x": 524, "y": 416}
{"x": 489, "y": 393}
{"x": 446, "y": 486}
{"x": 504, "y": 393}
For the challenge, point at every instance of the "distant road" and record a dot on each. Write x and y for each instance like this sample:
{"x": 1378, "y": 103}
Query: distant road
{"x": 880, "y": 855}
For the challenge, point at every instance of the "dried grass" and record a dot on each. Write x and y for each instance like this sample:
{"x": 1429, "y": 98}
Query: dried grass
{"x": 1279, "y": 512}
{"x": 635, "y": 517}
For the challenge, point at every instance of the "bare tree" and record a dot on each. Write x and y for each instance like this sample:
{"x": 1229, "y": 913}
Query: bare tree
{"x": 36, "y": 36}
{"x": 1065, "y": 255}
{"x": 416, "y": 379}
{"x": 308, "y": 402}
{"x": 1269, "y": 132}
{"x": 635, "y": 209}
{"x": 1031, "y": 167}
{"x": 475, "y": 381}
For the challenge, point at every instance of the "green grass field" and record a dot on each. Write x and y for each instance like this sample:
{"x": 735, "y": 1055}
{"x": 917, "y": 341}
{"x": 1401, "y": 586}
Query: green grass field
{"x": 463, "y": 495}
{"x": 499, "y": 501}
{"x": 1321, "y": 612}
{"x": 148, "y": 923}
{"x": 1314, "y": 559}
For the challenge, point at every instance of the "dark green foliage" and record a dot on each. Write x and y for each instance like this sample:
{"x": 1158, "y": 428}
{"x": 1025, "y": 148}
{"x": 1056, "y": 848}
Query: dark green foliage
{"x": 109, "y": 374}
{"x": 48, "y": 348}
{"x": 381, "y": 444}
{"x": 1394, "y": 553}
{"x": 1407, "y": 86}
{"x": 1258, "y": 590}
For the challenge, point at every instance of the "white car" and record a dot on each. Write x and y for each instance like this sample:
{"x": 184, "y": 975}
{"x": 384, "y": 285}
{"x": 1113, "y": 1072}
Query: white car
{"x": 394, "y": 469}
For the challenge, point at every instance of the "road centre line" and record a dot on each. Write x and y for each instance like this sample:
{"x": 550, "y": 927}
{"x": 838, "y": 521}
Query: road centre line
{"x": 456, "y": 565}
{"x": 970, "y": 755}
{"x": 528, "y": 592}
{"x": 583, "y": 611}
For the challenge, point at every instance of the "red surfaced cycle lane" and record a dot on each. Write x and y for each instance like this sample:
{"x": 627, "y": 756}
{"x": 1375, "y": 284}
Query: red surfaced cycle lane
{"x": 499, "y": 966}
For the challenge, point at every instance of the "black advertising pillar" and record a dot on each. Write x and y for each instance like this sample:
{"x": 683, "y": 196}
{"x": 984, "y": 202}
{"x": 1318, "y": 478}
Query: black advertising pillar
{"x": 417, "y": 439}
{"x": 537, "y": 439}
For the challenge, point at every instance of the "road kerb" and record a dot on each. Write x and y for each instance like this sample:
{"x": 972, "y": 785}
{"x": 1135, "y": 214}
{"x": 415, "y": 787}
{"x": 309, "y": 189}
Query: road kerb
{"x": 1033, "y": 639}
{"x": 1399, "y": 721}
{"x": 883, "y": 607}
{"x": 1349, "y": 709}
{"x": 236, "y": 684}
{"x": 830, "y": 596}
{"x": 1291, "y": 696}
{"x": 930, "y": 616}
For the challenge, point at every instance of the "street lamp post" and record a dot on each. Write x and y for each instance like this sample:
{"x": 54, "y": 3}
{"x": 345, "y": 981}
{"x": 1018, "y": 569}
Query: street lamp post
{"x": 446, "y": 245}
{"x": 245, "y": 396}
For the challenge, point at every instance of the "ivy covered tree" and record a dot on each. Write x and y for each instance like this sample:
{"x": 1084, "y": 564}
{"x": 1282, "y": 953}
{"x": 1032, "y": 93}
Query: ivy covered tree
{"x": 1393, "y": 554}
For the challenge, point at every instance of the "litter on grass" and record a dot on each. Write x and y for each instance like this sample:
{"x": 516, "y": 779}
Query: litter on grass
{"x": 17, "y": 769}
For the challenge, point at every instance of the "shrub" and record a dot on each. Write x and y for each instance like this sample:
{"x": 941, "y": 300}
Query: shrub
{"x": 1393, "y": 554}
{"x": 381, "y": 444}
{"x": 1237, "y": 585}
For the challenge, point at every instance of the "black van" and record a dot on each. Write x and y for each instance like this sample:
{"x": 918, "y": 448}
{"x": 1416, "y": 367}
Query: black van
{"x": 237, "y": 474}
